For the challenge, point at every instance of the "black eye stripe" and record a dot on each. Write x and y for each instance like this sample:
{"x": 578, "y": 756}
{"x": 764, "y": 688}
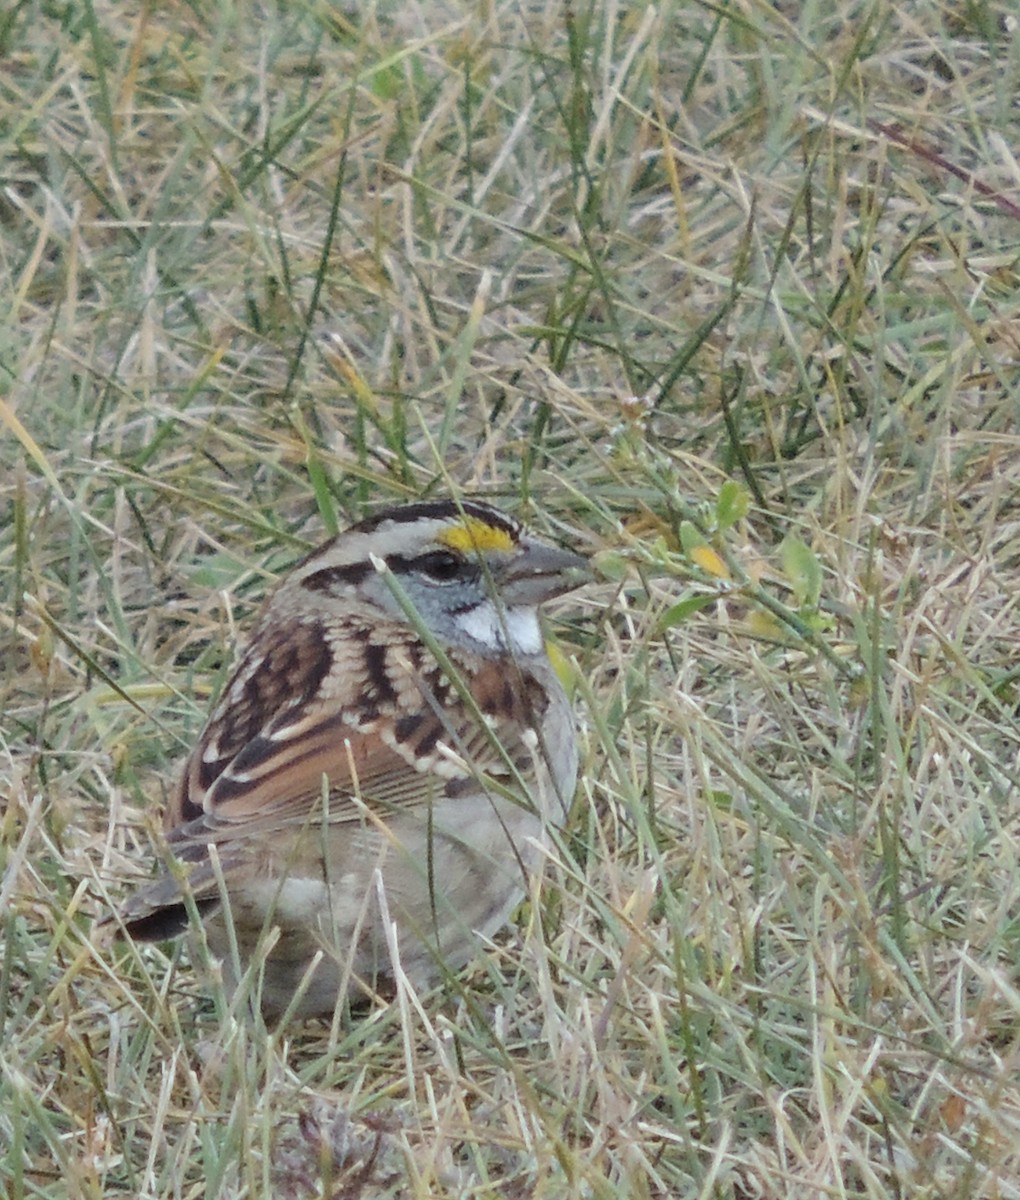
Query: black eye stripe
{"x": 330, "y": 579}
{"x": 440, "y": 565}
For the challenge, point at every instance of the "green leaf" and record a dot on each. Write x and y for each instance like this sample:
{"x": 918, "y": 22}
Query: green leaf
{"x": 677, "y": 613}
{"x": 732, "y": 504}
{"x": 611, "y": 565}
{"x": 690, "y": 537}
{"x": 803, "y": 570}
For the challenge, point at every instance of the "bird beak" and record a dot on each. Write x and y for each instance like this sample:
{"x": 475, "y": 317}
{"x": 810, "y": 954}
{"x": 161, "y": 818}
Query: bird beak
{"x": 538, "y": 572}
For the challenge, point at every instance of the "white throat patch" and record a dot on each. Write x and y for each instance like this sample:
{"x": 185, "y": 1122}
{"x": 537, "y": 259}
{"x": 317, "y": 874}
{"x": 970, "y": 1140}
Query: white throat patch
{"x": 514, "y": 629}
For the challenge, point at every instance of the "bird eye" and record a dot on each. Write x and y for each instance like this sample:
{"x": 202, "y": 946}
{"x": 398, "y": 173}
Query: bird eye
{"x": 441, "y": 565}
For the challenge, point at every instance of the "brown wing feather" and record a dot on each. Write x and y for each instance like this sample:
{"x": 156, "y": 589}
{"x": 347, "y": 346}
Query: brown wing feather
{"x": 283, "y": 668}
{"x": 371, "y": 724}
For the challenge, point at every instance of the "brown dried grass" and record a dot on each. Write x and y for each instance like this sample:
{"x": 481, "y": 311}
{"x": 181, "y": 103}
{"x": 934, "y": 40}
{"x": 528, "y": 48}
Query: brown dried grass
{"x": 264, "y": 268}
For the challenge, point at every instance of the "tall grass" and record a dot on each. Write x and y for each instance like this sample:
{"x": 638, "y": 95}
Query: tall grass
{"x": 727, "y": 295}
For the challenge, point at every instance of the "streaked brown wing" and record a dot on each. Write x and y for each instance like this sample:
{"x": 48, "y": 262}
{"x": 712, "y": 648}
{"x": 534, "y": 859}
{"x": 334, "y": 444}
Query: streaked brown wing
{"x": 283, "y": 668}
{"x": 283, "y": 774}
{"x": 374, "y": 725}
{"x": 376, "y": 730}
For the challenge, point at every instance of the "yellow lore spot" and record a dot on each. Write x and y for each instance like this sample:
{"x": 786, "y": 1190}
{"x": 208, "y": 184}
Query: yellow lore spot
{"x": 472, "y": 534}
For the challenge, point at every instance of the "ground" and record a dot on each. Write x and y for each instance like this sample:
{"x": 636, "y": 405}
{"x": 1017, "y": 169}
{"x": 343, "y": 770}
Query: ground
{"x": 724, "y": 295}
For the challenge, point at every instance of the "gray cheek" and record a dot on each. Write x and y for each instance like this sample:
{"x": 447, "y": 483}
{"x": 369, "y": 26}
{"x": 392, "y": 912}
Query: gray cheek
{"x": 379, "y": 589}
